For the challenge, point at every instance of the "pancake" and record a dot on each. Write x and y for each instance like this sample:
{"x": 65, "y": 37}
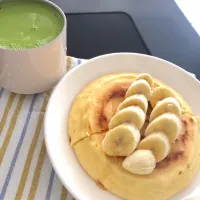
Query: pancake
{"x": 88, "y": 122}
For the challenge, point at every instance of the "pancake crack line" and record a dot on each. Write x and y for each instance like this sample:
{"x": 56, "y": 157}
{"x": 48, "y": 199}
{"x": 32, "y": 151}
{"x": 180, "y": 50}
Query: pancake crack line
{"x": 88, "y": 135}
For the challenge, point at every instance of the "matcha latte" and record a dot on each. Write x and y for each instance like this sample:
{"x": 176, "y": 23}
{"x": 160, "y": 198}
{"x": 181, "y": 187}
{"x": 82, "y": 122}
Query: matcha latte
{"x": 28, "y": 24}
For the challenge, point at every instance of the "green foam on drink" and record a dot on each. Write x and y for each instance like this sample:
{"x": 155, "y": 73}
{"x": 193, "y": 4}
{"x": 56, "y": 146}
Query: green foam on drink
{"x": 28, "y": 24}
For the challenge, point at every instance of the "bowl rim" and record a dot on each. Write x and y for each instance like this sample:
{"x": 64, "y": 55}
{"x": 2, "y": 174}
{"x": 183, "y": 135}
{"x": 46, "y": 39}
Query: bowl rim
{"x": 67, "y": 185}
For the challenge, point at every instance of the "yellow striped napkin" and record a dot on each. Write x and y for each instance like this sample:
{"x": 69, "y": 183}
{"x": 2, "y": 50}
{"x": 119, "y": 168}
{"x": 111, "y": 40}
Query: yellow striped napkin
{"x": 25, "y": 170}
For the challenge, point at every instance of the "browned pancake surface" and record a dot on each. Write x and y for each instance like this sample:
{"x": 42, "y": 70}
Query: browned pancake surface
{"x": 88, "y": 124}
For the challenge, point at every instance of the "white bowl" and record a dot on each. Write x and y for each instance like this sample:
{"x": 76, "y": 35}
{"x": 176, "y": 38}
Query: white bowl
{"x": 62, "y": 156}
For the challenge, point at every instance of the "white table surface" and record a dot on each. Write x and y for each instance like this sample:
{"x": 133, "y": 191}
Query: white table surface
{"x": 191, "y": 9}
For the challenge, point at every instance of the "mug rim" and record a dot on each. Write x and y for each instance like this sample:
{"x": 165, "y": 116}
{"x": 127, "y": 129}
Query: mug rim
{"x": 44, "y": 45}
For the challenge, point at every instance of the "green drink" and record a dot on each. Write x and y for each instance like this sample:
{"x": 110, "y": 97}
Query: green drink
{"x": 28, "y": 24}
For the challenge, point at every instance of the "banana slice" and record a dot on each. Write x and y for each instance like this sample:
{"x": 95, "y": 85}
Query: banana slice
{"x": 135, "y": 100}
{"x": 133, "y": 114}
{"x": 168, "y": 123}
{"x": 139, "y": 87}
{"x": 170, "y": 104}
{"x": 158, "y": 143}
{"x": 121, "y": 140}
{"x": 146, "y": 77}
{"x": 140, "y": 162}
{"x": 160, "y": 93}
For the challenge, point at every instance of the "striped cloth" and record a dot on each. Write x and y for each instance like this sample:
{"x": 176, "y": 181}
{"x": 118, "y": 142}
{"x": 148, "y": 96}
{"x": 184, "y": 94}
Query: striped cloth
{"x": 25, "y": 170}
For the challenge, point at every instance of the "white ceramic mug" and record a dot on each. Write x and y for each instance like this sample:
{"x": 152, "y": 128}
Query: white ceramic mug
{"x": 35, "y": 70}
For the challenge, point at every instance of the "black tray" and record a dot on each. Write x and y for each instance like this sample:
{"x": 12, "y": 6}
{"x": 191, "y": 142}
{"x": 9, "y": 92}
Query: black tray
{"x": 93, "y": 34}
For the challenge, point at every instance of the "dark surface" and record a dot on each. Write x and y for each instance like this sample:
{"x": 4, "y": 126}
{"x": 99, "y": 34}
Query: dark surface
{"x": 164, "y": 29}
{"x": 111, "y": 32}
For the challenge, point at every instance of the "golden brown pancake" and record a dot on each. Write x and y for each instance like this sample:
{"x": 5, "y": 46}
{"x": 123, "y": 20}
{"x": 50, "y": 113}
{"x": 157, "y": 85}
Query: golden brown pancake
{"x": 88, "y": 122}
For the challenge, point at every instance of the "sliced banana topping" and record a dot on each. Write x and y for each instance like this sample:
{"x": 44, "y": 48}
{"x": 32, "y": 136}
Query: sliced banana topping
{"x": 164, "y": 128}
{"x": 158, "y": 143}
{"x": 168, "y": 123}
{"x": 132, "y": 115}
{"x": 139, "y": 87}
{"x": 170, "y": 104}
{"x": 147, "y": 78}
{"x": 160, "y": 93}
{"x": 136, "y": 100}
{"x": 140, "y": 162}
{"x": 124, "y": 126}
{"x": 121, "y": 140}
{"x": 124, "y": 135}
